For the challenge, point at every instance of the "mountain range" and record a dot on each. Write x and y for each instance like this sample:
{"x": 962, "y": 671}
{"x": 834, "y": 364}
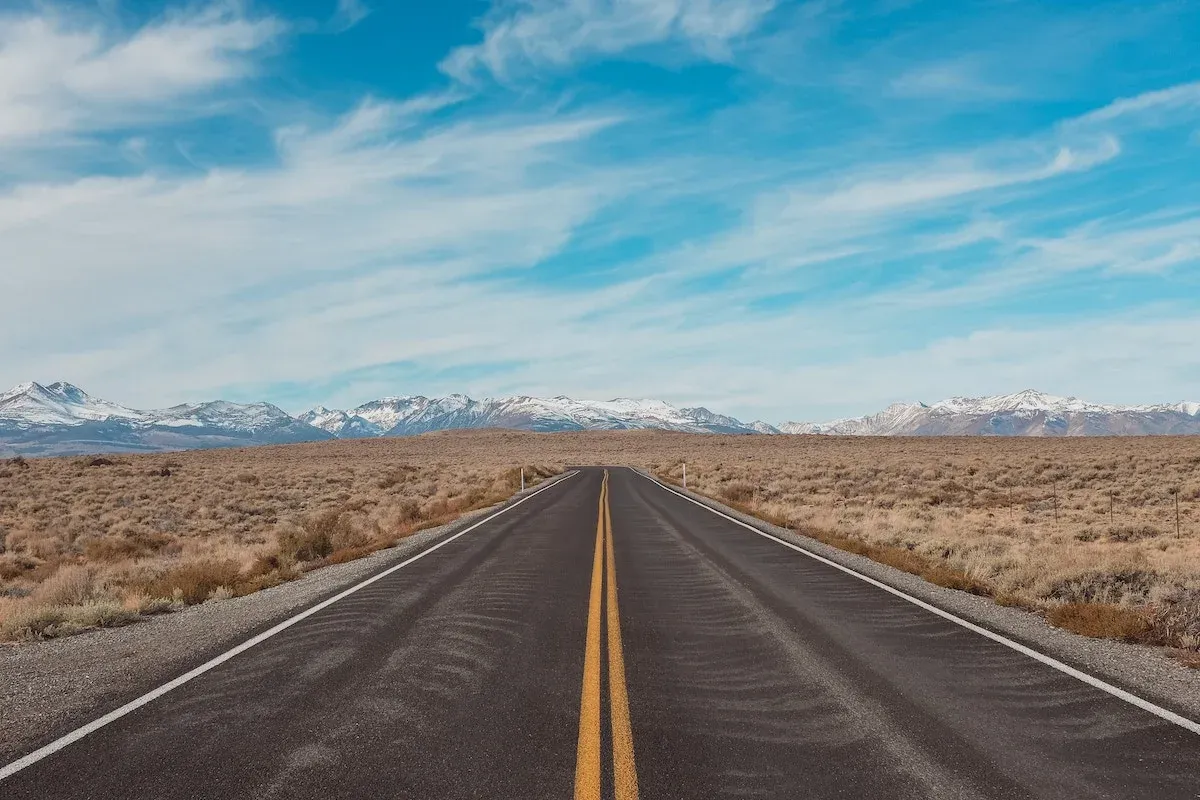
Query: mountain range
{"x": 61, "y": 419}
{"x": 405, "y": 416}
{"x": 1027, "y": 413}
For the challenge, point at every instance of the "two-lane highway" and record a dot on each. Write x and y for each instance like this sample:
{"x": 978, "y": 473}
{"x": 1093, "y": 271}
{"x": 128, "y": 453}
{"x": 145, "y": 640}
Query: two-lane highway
{"x": 608, "y": 638}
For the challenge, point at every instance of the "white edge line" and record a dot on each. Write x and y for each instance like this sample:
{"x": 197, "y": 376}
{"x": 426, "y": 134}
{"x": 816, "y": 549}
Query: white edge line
{"x": 133, "y": 705}
{"x": 1091, "y": 680}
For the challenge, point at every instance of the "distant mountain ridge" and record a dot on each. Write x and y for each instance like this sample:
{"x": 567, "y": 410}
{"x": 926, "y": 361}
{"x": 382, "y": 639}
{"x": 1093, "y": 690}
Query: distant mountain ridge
{"x": 1027, "y": 413}
{"x": 62, "y": 419}
{"x": 405, "y": 416}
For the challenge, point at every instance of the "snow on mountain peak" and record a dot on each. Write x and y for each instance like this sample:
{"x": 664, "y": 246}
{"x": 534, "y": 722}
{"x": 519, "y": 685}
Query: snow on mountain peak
{"x": 1027, "y": 412}
{"x": 31, "y": 404}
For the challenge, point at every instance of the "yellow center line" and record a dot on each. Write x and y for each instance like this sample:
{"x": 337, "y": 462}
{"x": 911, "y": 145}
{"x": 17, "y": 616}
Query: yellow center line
{"x": 587, "y": 757}
{"x": 625, "y": 783}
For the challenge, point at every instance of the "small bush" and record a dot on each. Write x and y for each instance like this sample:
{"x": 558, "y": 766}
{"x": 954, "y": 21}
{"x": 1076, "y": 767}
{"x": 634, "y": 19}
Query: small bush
{"x": 194, "y": 582}
{"x": 1100, "y": 620}
{"x": 1104, "y": 587}
{"x": 738, "y": 492}
{"x": 48, "y": 622}
{"x": 1176, "y": 620}
{"x": 70, "y": 585}
{"x": 125, "y": 542}
{"x": 316, "y": 536}
{"x": 1133, "y": 533}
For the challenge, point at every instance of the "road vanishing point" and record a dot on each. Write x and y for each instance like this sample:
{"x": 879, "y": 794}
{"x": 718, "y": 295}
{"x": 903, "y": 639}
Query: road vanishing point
{"x": 608, "y": 637}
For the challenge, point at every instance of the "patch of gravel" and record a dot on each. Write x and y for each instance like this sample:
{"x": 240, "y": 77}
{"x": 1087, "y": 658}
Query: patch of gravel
{"x": 1148, "y": 672}
{"x": 47, "y": 686}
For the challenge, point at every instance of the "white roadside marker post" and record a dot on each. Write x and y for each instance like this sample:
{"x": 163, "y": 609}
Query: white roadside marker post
{"x": 685, "y": 475}
{"x": 522, "y": 479}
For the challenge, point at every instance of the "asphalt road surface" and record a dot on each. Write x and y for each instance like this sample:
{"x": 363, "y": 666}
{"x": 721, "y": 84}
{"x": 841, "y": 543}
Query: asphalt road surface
{"x": 609, "y": 638}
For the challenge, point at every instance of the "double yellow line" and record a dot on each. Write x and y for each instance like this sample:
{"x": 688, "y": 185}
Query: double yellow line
{"x": 587, "y": 764}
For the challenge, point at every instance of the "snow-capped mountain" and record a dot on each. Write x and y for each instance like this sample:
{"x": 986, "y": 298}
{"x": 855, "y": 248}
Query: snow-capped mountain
{"x": 32, "y": 404}
{"x": 1027, "y": 413}
{"x": 63, "y": 419}
{"x": 402, "y": 416}
{"x": 60, "y": 419}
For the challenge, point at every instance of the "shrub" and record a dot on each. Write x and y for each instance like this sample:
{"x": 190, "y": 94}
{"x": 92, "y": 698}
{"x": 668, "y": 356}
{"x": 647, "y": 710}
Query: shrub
{"x": 1133, "y": 533}
{"x": 1105, "y": 587}
{"x": 125, "y": 541}
{"x": 194, "y": 582}
{"x": 1176, "y": 620}
{"x": 1100, "y": 620}
{"x": 738, "y": 492}
{"x": 317, "y": 535}
{"x": 47, "y": 622}
{"x": 70, "y": 585}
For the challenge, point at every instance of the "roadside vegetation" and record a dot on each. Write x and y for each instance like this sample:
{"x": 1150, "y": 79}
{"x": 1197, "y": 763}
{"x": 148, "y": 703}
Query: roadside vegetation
{"x": 1101, "y": 536}
{"x": 102, "y": 541}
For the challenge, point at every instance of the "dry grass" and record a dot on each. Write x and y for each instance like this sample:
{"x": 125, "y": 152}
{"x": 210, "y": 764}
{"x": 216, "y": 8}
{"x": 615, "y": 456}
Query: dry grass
{"x": 977, "y": 514}
{"x": 99, "y": 541}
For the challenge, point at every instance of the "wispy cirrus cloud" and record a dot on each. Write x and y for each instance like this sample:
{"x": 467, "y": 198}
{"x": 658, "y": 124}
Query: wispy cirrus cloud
{"x": 380, "y": 198}
{"x": 1149, "y": 107}
{"x": 522, "y": 36}
{"x": 348, "y": 14}
{"x": 62, "y": 75}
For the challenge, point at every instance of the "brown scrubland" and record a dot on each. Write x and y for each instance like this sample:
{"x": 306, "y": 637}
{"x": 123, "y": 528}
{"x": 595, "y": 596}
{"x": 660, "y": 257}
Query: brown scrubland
{"x": 1100, "y": 535}
{"x": 98, "y": 541}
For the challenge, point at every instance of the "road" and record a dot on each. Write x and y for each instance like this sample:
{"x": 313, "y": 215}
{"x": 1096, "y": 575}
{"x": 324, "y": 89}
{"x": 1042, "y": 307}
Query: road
{"x": 609, "y": 638}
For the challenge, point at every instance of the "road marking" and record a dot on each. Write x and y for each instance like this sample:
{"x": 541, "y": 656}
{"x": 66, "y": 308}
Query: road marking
{"x": 587, "y": 753}
{"x": 1091, "y": 680}
{"x": 112, "y": 716}
{"x": 625, "y": 782}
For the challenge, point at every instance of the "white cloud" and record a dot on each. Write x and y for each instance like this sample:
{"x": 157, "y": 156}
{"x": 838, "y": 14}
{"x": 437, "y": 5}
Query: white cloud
{"x": 830, "y": 217}
{"x": 60, "y": 77}
{"x": 200, "y": 260}
{"x": 959, "y": 80}
{"x": 1160, "y": 104}
{"x": 348, "y": 14}
{"x": 526, "y": 35}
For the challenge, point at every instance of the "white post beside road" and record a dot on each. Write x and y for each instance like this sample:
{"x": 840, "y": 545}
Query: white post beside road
{"x": 522, "y": 479}
{"x": 685, "y": 474}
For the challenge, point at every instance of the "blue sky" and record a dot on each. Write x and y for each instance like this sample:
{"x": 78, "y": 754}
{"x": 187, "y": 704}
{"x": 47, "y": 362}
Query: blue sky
{"x": 780, "y": 210}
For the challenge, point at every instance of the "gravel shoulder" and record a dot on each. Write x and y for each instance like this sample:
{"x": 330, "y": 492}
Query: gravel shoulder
{"x": 47, "y": 687}
{"x": 1145, "y": 671}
